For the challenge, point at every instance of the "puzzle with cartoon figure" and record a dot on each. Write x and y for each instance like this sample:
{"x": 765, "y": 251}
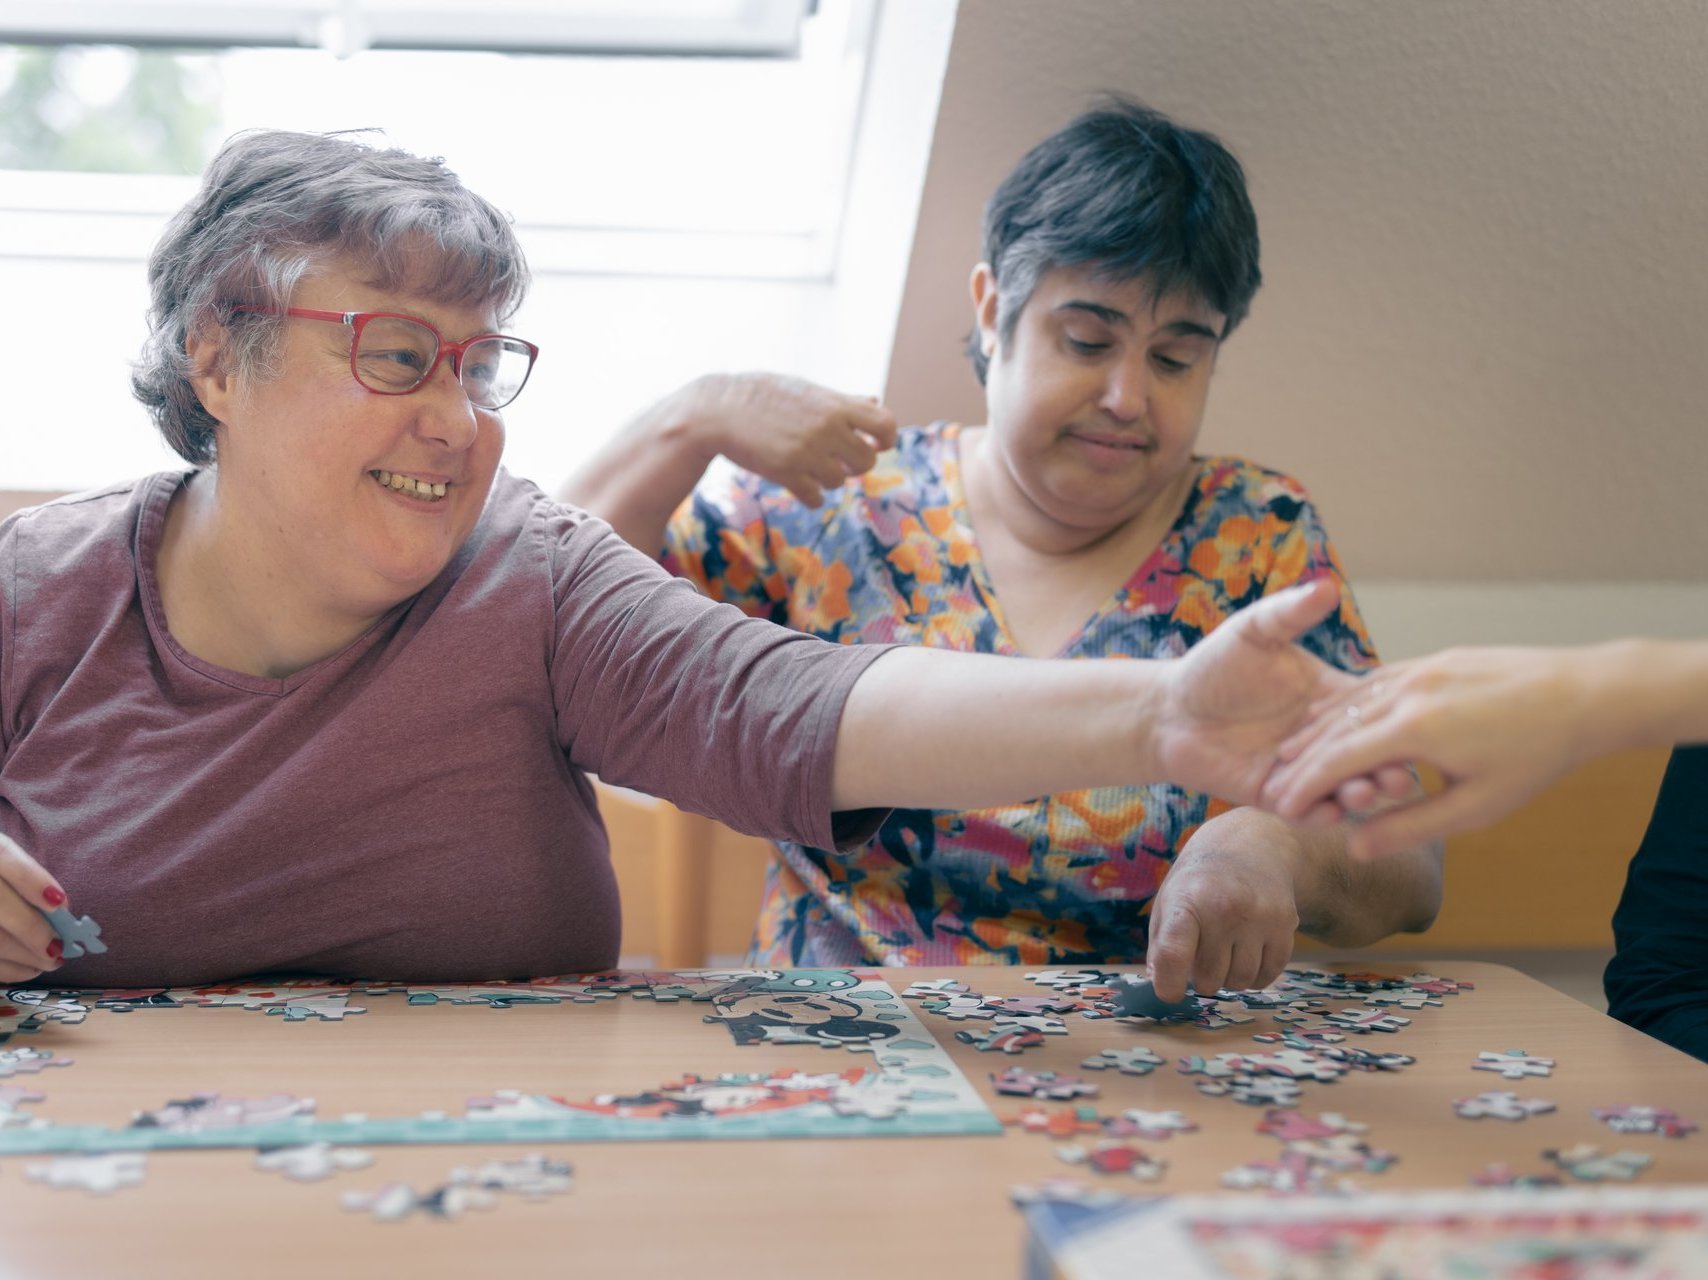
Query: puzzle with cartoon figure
{"x": 903, "y": 1083}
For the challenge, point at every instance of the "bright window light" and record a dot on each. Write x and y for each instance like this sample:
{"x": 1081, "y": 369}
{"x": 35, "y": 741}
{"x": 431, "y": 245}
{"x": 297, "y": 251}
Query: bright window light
{"x": 706, "y": 190}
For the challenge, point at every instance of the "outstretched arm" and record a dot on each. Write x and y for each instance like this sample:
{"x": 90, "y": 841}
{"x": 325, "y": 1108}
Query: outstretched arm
{"x": 1498, "y": 724}
{"x": 930, "y": 729}
{"x": 802, "y": 436}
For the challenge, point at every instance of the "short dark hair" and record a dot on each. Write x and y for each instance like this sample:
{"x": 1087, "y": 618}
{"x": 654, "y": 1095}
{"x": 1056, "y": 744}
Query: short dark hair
{"x": 272, "y": 206}
{"x": 1126, "y": 189}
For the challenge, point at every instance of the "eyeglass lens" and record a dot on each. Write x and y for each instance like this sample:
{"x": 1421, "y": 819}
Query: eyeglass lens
{"x": 393, "y": 355}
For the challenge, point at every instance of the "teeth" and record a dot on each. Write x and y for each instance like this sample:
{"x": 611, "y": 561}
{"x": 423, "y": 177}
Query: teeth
{"x": 406, "y": 484}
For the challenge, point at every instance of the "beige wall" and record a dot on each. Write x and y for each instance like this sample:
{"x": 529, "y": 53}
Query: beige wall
{"x": 1481, "y": 340}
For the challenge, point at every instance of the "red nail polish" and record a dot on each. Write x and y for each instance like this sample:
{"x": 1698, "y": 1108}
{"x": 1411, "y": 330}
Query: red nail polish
{"x": 54, "y": 896}
{"x": 55, "y": 948}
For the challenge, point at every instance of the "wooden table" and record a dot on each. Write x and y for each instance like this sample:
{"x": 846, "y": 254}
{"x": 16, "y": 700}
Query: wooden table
{"x": 850, "y": 1207}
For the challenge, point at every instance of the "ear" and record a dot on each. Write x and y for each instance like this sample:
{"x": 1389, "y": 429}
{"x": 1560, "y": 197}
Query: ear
{"x": 214, "y": 385}
{"x": 983, "y": 286}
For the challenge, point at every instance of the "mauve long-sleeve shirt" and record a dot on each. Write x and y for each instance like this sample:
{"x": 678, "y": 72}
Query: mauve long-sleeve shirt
{"x": 415, "y": 806}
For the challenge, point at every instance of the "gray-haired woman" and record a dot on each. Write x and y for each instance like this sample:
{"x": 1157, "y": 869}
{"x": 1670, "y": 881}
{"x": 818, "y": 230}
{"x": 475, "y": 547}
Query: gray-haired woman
{"x": 326, "y": 701}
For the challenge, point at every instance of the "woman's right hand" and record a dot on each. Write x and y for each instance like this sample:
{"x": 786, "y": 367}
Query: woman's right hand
{"x": 795, "y": 433}
{"x": 792, "y": 432}
{"x": 28, "y": 944}
{"x": 1498, "y": 725}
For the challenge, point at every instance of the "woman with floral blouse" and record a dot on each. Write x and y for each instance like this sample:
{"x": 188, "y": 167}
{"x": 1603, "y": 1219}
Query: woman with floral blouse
{"x": 1077, "y": 522}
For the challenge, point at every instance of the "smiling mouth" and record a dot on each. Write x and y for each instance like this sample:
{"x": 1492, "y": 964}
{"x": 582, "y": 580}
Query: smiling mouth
{"x": 409, "y": 486}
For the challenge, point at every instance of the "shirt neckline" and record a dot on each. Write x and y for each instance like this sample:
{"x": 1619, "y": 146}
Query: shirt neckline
{"x": 158, "y": 493}
{"x": 1134, "y": 583}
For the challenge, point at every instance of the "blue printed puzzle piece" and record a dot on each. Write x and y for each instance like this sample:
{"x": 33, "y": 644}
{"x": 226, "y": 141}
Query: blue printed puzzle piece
{"x": 78, "y": 933}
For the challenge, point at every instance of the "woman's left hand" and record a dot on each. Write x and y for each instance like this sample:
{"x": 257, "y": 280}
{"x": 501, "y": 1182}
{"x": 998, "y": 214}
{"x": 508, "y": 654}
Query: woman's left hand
{"x": 1240, "y": 691}
{"x": 1227, "y": 910}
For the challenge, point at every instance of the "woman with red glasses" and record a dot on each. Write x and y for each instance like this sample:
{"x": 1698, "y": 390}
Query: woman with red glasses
{"x": 326, "y": 699}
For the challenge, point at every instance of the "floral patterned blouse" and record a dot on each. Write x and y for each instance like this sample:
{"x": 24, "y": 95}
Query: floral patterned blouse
{"x": 1066, "y": 879}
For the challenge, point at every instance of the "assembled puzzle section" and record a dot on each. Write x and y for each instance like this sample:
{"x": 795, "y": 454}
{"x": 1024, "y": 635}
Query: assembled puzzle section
{"x": 818, "y": 1053}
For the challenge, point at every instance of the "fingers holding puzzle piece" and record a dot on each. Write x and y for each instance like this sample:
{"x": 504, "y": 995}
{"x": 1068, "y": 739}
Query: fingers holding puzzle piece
{"x": 80, "y": 934}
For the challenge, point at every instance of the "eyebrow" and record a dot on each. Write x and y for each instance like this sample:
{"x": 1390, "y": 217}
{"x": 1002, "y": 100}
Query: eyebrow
{"x": 1110, "y": 315}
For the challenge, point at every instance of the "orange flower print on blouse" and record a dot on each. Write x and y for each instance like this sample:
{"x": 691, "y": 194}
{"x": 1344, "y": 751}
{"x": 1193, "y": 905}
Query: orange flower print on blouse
{"x": 891, "y": 558}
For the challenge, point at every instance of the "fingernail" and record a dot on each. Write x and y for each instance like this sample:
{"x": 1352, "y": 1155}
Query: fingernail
{"x": 54, "y": 896}
{"x": 55, "y": 949}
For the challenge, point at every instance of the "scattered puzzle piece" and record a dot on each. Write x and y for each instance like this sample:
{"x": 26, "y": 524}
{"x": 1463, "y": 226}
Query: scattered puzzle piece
{"x": 1062, "y": 978}
{"x": 1213, "y": 1015}
{"x": 1150, "y": 1125}
{"x": 1632, "y": 1119}
{"x": 1404, "y": 997}
{"x": 1264, "y": 1091}
{"x": 1366, "y": 1059}
{"x": 1362, "y": 1020}
{"x": 1042, "y": 1023}
{"x": 396, "y": 1201}
{"x": 15, "y": 1062}
{"x": 933, "y": 987}
{"x": 1001, "y": 1041}
{"x": 1289, "y": 1175}
{"x": 1514, "y": 1064}
{"x": 1062, "y": 1191}
{"x": 13, "y": 1098}
{"x": 311, "y": 1161}
{"x": 1501, "y": 1104}
{"x": 961, "y": 1006}
{"x": 1504, "y": 1175}
{"x": 1296, "y": 1126}
{"x": 532, "y": 1176}
{"x": 208, "y": 1111}
{"x": 1118, "y": 1157}
{"x": 1134, "y": 1061}
{"x": 100, "y": 1174}
{"x": 1057, "y": 1122}
{"x": 1588, "y": 1163}
{"x": 1017, "y": 1082}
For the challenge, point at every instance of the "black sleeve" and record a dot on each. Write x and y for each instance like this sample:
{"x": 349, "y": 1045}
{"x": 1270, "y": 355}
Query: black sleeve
{"x": 1658, "y": 978}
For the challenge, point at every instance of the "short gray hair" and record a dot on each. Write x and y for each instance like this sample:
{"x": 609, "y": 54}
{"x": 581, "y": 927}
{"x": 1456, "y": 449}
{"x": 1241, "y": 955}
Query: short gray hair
{"x": 273, "y": 205}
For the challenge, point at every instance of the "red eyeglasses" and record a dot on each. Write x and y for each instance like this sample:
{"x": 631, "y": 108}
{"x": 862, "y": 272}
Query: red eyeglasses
{"x": 392, "y": 354}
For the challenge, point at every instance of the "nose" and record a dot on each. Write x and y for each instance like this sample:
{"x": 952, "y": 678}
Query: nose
{"x": 1126, "y": 388}
{"x": 446, "y": 415}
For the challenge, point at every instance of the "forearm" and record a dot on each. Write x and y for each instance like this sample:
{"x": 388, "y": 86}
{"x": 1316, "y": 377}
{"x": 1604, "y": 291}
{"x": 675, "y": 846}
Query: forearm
{"x": 926, "y": 728}
{"x": 636, "y": 482}
{"x": 1641, "y": 693}
{"x": 1349, "y": 902}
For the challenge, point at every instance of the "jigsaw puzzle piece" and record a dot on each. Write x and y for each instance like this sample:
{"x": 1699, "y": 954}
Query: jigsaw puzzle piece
{"x": 311, "y": 1161}
{"x": 100, "y": 1174}
{"x": 79, "y": 934}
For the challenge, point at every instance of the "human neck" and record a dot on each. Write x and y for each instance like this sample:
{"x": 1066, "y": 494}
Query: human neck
{"x": 233, "y": 600}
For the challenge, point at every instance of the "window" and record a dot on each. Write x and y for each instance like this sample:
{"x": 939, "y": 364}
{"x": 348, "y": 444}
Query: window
{"x": 681, "y": 212}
